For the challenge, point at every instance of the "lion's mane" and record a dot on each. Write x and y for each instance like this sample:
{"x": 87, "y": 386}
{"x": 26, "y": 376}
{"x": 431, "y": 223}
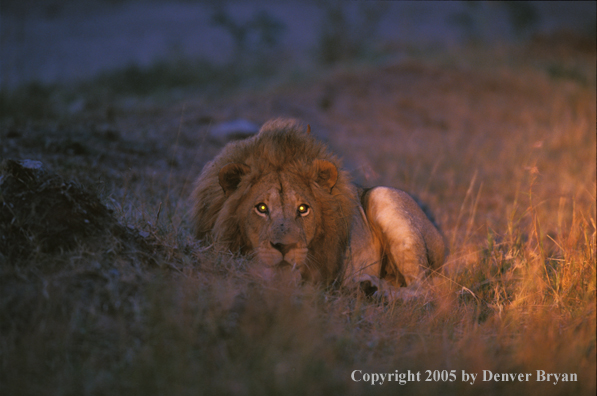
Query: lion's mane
{"x": 280, "y": 146}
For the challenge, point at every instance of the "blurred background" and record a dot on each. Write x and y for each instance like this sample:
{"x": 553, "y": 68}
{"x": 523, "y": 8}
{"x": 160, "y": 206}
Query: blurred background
{"x": 147, "y": 45}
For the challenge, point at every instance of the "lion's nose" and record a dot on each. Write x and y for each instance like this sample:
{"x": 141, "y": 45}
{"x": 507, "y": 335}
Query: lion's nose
{"x": 282, "y": 247}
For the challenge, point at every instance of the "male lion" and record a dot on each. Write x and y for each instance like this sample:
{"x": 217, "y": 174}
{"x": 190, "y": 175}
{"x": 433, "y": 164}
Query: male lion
{"x": 283, "y": 199}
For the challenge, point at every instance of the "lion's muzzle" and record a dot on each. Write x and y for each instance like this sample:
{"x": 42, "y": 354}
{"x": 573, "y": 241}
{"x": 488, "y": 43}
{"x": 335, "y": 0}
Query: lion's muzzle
{"x": 281, "y": 254}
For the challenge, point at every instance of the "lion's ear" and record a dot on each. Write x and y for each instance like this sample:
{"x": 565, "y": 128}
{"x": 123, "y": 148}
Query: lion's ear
{"x": 230, "y": 176}
{"x": 326, "y": 174}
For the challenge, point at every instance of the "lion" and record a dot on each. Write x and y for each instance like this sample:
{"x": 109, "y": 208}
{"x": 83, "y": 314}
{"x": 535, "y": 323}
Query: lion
{"x": 283, "y": 199}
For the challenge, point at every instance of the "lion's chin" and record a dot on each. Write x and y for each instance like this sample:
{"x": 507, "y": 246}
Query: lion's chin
{"x": 285, "y": 265}
{"x": 272, "y": 266}
{"x": 269, "y": 257}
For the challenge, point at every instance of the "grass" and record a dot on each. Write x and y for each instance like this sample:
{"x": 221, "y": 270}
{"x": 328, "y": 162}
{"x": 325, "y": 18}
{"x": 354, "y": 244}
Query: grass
{"x": 502, "y": 152}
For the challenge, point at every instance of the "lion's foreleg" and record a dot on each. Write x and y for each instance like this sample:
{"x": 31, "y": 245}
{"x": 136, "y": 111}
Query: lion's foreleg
{"x": 363, "y": 259}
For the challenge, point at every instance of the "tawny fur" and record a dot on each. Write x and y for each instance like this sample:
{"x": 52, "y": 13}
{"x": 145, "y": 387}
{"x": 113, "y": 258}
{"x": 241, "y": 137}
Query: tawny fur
{"x": 380, "y": 236}
{"x": 281, "y": 146}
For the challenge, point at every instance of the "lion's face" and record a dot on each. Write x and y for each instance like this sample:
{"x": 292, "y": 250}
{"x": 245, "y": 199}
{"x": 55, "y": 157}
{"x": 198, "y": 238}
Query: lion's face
{"x": 279, "y": 215}
{"x": 281, "y": 221}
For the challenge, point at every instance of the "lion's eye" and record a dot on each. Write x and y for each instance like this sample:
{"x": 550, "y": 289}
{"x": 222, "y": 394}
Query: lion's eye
{"x": 303, "y": 209}
{"x": 261, "y": 208}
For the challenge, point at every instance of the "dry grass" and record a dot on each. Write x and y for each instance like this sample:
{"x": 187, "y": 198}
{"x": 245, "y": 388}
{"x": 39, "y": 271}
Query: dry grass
{"x": 502, "y": 151}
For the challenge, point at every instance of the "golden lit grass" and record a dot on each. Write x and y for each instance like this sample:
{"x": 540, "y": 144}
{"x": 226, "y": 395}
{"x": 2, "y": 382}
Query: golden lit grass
{"x": 503, "y": 155}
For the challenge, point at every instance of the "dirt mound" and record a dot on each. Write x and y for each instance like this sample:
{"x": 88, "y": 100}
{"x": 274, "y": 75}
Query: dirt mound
{"x": 62, "y": 250}
{"x": 41, "y": 210}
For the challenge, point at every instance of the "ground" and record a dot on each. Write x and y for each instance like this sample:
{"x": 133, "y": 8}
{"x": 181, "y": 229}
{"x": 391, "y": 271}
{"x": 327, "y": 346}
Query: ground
{"x": 499, "y": 143}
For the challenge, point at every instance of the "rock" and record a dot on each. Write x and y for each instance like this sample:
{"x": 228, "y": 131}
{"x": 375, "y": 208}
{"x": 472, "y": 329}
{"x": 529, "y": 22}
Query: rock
{"x": 234, "y": 130}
